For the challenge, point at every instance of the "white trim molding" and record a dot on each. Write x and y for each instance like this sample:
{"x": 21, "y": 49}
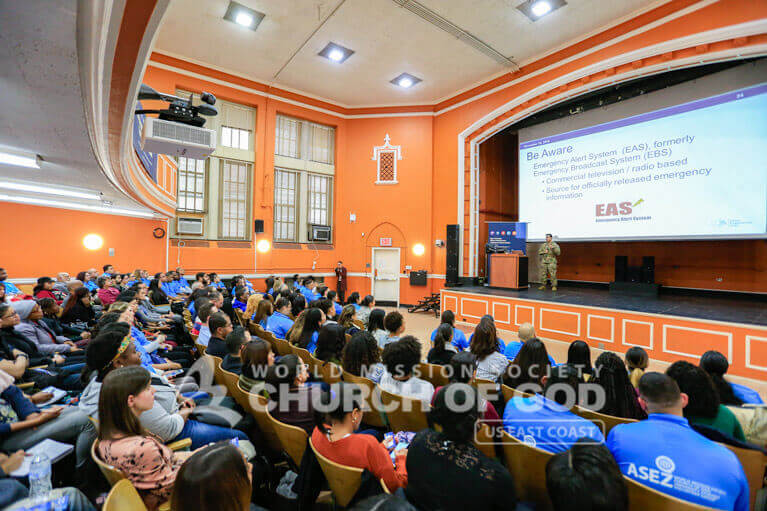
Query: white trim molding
{"x": 728, "y": 335}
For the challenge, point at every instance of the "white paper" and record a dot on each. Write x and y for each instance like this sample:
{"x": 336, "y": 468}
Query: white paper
{"x": 51, "y": 448}
{"x": 57, "y": 395}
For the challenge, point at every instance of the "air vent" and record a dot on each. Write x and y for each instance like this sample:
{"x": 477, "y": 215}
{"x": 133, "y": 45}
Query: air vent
{"x": 189, "y": 226}
{"x": 180, "y": 132}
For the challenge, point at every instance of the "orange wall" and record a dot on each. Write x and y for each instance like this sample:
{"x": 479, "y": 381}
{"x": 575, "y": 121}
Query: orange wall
{"x": 40, "y": 241}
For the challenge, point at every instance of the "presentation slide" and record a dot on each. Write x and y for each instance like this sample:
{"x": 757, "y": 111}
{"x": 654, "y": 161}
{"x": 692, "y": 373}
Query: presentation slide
{"x": 694, "y": 170}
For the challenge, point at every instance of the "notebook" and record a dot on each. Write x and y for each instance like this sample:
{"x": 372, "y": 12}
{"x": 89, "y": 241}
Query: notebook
{"x": 51, "y": 448}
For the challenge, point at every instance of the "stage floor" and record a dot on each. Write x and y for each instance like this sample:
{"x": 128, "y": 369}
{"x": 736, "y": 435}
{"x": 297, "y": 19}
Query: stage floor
{"x": 733, "y": 310}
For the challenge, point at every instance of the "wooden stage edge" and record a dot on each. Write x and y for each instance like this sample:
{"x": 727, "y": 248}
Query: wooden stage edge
{"x": 666, "y": 338}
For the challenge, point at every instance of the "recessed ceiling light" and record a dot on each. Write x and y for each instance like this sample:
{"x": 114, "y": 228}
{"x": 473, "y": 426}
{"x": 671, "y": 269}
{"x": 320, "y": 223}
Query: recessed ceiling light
{"x": 536, "y": 9}
{"x": 20, "y": 159}
{"x": 23, "y": 187}
{"x": 243, "y": 16}
{"x": 405, "y": 80}
{"x": 336, "y": 52}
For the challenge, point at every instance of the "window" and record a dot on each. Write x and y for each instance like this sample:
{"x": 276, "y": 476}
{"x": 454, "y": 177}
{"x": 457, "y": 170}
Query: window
{"x": 233, "y": 204}
{"x": 319, "y": 195}
{"x": 235, "y": 138}
{"x": 321, "y": 143}
{"x": 285, "y": 202}
{"x": 191, "y": 185}
{"x": 288, "y": 137}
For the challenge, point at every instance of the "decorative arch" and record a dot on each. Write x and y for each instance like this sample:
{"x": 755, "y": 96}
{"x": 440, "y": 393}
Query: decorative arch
{"x": 745, "y": 41}
{"x": 385, "y": 230}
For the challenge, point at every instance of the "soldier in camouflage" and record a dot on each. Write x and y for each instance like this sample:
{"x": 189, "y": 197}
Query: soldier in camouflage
{"x": 547, "y": 257}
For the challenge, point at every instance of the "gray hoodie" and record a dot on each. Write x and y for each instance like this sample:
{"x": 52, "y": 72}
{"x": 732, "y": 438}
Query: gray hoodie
{"x": 162, "y": 420}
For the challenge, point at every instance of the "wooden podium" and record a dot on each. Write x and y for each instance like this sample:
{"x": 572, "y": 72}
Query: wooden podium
{"x": 507, "y": 271}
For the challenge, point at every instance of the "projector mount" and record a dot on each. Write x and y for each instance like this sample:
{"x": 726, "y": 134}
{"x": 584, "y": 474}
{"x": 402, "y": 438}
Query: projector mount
{"x": 180, "y": 109}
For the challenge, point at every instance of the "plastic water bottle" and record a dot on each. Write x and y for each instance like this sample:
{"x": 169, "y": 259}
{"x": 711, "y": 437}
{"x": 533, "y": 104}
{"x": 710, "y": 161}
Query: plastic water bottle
{"x": 39, "y": 476}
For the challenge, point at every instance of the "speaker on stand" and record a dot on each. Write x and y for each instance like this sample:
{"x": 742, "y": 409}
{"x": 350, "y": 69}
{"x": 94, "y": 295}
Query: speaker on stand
{"x": 451, "y": 264}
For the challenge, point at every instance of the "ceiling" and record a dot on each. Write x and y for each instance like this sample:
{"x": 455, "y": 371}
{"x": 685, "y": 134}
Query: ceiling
{"x": 387, "y": 39}
{"x": 41, "y": 102}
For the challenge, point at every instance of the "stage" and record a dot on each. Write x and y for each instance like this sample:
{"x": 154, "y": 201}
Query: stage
{"x": 669, "y": 327}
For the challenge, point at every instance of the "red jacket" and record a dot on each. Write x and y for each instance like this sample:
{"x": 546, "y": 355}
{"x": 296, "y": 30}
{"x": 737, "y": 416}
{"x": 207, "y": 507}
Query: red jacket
{"x": 108, "y": 295}
{"x": 44, "y": 293}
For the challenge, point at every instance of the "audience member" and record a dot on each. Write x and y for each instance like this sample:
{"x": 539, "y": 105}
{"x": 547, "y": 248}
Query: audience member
{"x": 466, "y": 476}
{"x": 235, "y": 342}
{"x": 44, "y": 289}
{"x": 257, "y": 357}
{"x": 307, "y": 338}
{"x": 330, "y": 344}
{"x": 394, "y": 323}
{"x": 620, "y": 398}
{"x": 346, "y": 320}
{"x": 38, "y": 332}
{"x": 666, "y": 454}
{"x": 362, "y": 357}
{"x": 401, "y": 359}
{"x": 51, "y": 312}
{"x": 279, "y": 323}
{"x": 326, "y": 306}
{"x": 463, "y": 369}
{"x": 10, "y": 287}
{"x": 545, "y": 420}
{"x": 240, "y": 301}
{"x": 488, "y": 322}
{"x": 529, "y": 366}
{"x": 354, "y": 299}
{"x": 252, "y": 305}
{"x": 376, "y": 326}
{"x": 442, "y": 350}
{"x": 636, "y": 363}
{"x": 108, "y": 290}
{"x": 297, "y": 305}
{"x": 485, "y": 346}
{"x": 524, "y": 334}
{"x": 586, "y": 477}
{"x": 293, "y": 398}
{"x": 295, "y": 330}
{"x": 333, "y": 297}
{"x": 220, "y": 326}
{"x": 459, "y": 340}
{"x": 264, "y": 310}
{"x": 716, "y": 365}
{"x": 203, "y": 315}
{"x": 579, "y": 357}
{"x": 367, "y": 305}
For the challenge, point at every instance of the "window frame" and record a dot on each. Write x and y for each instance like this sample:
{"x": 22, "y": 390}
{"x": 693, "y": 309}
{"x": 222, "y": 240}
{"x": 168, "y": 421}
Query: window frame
{"x": 248, "y": 199}
{"x": 206, "y": 184}
{"x": 296, "y": 206}
{"x": 329, "y": 210}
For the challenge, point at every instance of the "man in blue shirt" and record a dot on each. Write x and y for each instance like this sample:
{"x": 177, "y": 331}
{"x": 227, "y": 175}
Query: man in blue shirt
{"x": 166, "y": 285}
{"x": 10, "y": 287}
{"x": 545, "y": 422}
{"x": 109, "y": 270}
{"x": 279, "y": 323}
{"x": 525, "y": 333}
{"x": 308, "y": 290}
{"x": 666, "y": 454}
{"x": 182, "y": 286}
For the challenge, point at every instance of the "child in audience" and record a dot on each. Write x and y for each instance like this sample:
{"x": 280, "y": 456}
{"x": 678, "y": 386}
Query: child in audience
{"x": 235, "y": 342}
{"x": 335, "y": 438}
{"x": 485, "y": 346}
{"x": 367, "y": 305}
{"x": 257, "y": 356}
{"x": 376, "y": 326}
{"x": 401, "y": 359}
{"x": 279, "y": 323}
{"x": 636, "y": 362}
{"x": 442, "y": 350}
{"x": 330, "y": 344}
{"x": 466, "y": 478}
{"x": 346, "y": 320}
{"x": 716, "y": 365}
{"x": 108, "y": 290}
{"x": 459, "y": 340}
{"x": 294, "y": 399}
{"x": 362, "y": 357}
{"x": 394, "y": 323}
{"x": 620, "y": 398}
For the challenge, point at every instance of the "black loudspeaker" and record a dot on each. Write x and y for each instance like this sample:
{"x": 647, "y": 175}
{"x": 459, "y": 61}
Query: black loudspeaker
{"x": 418, "y": 278}
{"x": 451, "y": 265}
{"x": 258, "y": 226}
{"x": 648, "y": 270}
{"x": 621, "y": 268}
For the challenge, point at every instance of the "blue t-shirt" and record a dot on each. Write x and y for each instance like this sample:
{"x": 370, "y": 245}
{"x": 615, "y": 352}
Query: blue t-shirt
{"x": 501, "y": 344}
{"x": 279, "y": 324}
{"x": 512, "y": 349}
{"x": 236, "y": 304}
{"x": 312, "y": 346}
{"x": 337, "y": 306}
{"x": 747, "y": 395}
{"x": 545, "y": 424}
{"x": 666, "y": 454}
{"x": 309, "y": 295}
{"x": 169, "y": 288}
{"x": 459, "y": 339}
{"x": 91, "y": 285}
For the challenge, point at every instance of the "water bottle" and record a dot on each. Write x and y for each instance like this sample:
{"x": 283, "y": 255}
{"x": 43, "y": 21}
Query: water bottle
{"x": 39, "y": 476}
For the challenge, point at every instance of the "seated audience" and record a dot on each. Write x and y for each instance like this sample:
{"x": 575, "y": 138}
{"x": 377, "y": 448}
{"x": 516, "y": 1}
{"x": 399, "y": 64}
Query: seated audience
{"x": 156, "y": 294}
{"x": 307, "y": 337}
{"x": 330, "y": 344}
{"x": 620, "y": 398}
{"x": 235, "y": 342}
{"x": 488, "y": 322}
{"x": 664, "y": 449}
{"x": 297, "y": 305}
{"x": 636, "y": 363}
{"x": 442, "y": 350}
{"x": 38, "y": 332}
{"x": 203, "y": 315}
{"x": 335, "y": 437}
{"x": 716, "y": 365}
{"x": 44, "y": 289}
{"x": 354, "y": 299}
{"x": 579, "y": 357}
{"x": 464, "y": 370}
{"x": 376, "y": 325}
{"x": 252, "y": 305}
{"x": 215, "y": 478}
{"x": 525, "y": 333}
{"x": 220, "y": 326}
{"x": 241, "y": 295}
{"x": 51, "y": 312}
{"x": 362, "y": 357}
{"x": 77, "y": 311}
{"x": 394, "y": 323}
{"x": 485, "y": 346}
{"x": 326, "y": 306}
{"x": 459, "y": 340}
{"x": 545, "y": 420}
{"x": 703, "y": 405}
{"x": 264, "y": 310}
{"x": 467, "y": 478}
{"x": 401, "y": 359}
{"x": 279, "y": 323}
{"x": 108, "y": 290}
{"x": 346, "y": 320}
{"x": 367, "y": 305}
{"x": 257, "y": 356}
{"x": 528, "y": 368}
{"x": 586, "y": 477}
{"x": 298, "y": 326}
{"x": 10, "y": 287}
{"x": 123, "y": 443}
{"x": 333, "y": 297}
{"x": 293, "y": 398}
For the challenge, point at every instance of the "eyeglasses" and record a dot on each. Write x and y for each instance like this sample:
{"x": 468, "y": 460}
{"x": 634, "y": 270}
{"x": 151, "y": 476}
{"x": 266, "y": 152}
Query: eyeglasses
{"x": 11, "y": 315}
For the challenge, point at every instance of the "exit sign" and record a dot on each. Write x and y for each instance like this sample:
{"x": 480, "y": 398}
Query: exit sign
{"x": 385, "y": 242}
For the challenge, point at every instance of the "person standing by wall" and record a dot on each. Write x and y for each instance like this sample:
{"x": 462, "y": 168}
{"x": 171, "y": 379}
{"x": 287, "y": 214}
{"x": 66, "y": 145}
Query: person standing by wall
{"x": 547, "y": 256}
{"x": 341, "y": 281}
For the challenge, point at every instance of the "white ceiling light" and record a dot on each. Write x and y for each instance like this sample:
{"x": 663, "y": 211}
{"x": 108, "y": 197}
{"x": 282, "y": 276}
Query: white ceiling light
{"x": 536, "y": 9}
{"x": 405, "y": 80}
{"x": 75, "y": 205}
{"x": 8, "y": 185}
{"x": 243, "y": 16}
{"x": 20, "y": 159}
{"x": 335, "y": 52}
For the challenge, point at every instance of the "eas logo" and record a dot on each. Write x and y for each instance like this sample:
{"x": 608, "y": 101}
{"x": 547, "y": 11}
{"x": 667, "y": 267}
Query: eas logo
{"x": 616, "y": 208}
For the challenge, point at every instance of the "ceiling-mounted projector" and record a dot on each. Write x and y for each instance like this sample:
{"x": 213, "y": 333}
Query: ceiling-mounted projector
{"x": 178, "y": 130}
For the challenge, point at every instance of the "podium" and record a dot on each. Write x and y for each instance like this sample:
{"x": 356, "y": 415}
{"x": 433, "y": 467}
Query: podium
{"x": 507, "y": 271}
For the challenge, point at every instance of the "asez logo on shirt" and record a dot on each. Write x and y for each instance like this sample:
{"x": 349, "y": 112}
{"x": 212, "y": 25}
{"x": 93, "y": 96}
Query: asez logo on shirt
{"x": 663, "y": 475}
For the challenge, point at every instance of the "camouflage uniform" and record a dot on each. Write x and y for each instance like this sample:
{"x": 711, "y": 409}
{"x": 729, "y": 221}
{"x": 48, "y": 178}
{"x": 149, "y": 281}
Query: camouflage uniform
{"x": 547, "y": 256}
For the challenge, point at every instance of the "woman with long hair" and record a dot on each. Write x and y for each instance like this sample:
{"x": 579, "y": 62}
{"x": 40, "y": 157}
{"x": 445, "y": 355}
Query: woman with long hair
{"x": 637, "y": 361}
{"x": 156, "y": 294}
{"x": 354, "y": 299}
{"x": 529, "y": 366}
{"x": 620, "y": 398}
{"x": 257, "y": 357}
{"x": 579, "y": 356}
{"x": 367, "y": 305}
{"x": 263, "y": 311}
{"x": 459, "y": 338}
{"x": 313, "y": 321}
{"x": 297, "y": 304}
{"x": 123, "y": 443}
{"x": 330, "y": 344}
{"x": 485, "y": 346}
{"x": 346, "y": 319}
{"x": 362, "y": 357}
{"x": 296, "y": 328}
{"x": 51, "y": 312}
{"x": 251, "y": 305}
{"x": 376, "y": 325}
{"x": 78, "y": 311}
{"x": 716, "y": 365}
{"x": 441, "y": 352}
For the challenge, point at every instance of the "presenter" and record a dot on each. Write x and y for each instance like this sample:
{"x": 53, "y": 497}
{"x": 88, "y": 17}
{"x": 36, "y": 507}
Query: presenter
{"x": 341, "y": 281}
{"x": 547, "y": 259}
